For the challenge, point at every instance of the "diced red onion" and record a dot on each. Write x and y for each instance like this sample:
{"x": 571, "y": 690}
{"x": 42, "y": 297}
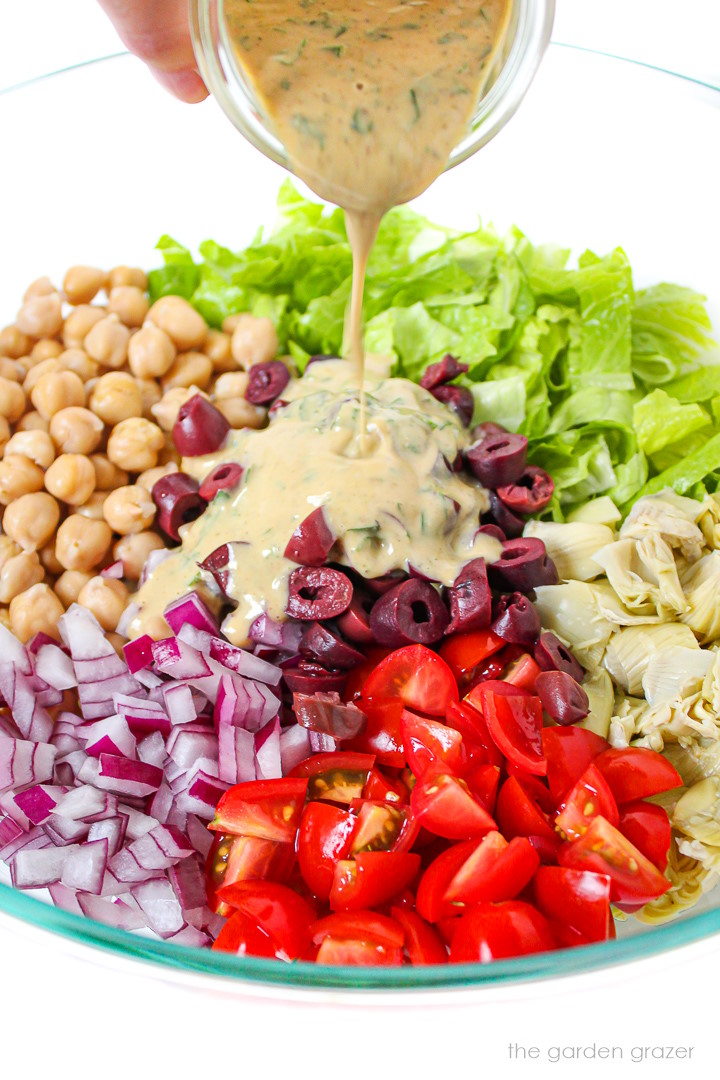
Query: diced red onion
{"x": 85, "y": 804}
{"x": 63, "y": 831}
{"x": 230, "y": 656}
{"x": 114, "y": 570}
{"x": 38, "y": 802}
{"x": 294, "y": 747}
{"x": 190, "y": 936}
{"x": 10, "y": 831}
{"x": 201, "y": 795}
{"x": 198, "y": 835}
{"x": 321, "y": 744}
{"x": 138, "y": 823}
{"x": 30, "y": 718}
{"x": 285, "y": 636}
{"x": 179, "y": 703}
{"x": 111, "y": 912}
{"x": 138, "y": 653}
{"x": 33, "y": 869}
{"x": 124, "y": 777}
{"x": 111, "y": 829}
{"x": 268, "y": 763}
{"x": 236, "y": 754}
{"x": 190, "y": 742}
{"x": 158, "y": 849}
{"x": 190, "y": 610}
{"x": 64, "y": 898}
{"x": 14, "y": 652}
{"x": 148, "y": 679}
{"x": 85, "y": 868}
{"x": 160, "y": 906}
{"x": 188, "y": 882}
{"x": 152, "y": 750}
{"x": 23, "y": 762}
{"x": 111, "y": 736}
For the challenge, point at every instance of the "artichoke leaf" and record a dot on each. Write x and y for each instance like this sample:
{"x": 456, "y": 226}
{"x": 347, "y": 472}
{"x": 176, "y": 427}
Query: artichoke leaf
{"x": 628, "y": 652}
{"x": 571, "y": 546}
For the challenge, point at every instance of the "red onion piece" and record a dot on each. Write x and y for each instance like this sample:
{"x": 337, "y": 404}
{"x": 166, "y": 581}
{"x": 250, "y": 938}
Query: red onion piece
{"x": 84, "y": 870}
{"x": 138, "y": 653}
{"x": 190, "y": 610}
{"x": 284, "y": 636}
{"x": 111, "y": 736}
{"x": 236, "y": 754}
{"x": 160, "y": 906}
{"x": 158, "y": 849}
{"x": 179, "y": 703}
{"x": 39, "y": 802}
{"x": 115, "y": 913}
{"x": 31, "y": 720}
{"x": 268, "y": 763}
{"x": 111, "y": 829}
{"x": 202, "y": 795}
{"x": 124, "y": 777}
{"x": 33, "y": 869}
{"x": 294, "y": 747}
{"x": 23, "y": 762}
{"x": 230, "y": 656}
{"x": 55, "y": 667}
{"x": 114, "y": 570}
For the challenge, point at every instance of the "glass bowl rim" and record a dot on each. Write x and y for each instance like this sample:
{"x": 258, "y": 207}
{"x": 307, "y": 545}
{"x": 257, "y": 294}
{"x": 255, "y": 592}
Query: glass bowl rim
{"x": 300, "y": 975}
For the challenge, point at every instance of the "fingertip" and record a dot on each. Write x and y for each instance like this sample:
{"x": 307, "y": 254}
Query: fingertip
{"x": 185, "y": 84}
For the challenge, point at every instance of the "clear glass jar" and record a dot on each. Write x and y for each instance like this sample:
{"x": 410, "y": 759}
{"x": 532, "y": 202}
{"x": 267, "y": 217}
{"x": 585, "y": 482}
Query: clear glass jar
{"x": 518, "y": 60}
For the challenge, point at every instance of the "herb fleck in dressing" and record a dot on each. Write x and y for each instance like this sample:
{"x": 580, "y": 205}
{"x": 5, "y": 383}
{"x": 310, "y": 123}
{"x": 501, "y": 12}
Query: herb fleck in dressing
{"x": 395, "y": 504}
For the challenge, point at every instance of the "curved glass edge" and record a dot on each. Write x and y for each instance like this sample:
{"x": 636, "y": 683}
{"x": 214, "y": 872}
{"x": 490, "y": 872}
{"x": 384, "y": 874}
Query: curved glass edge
{"x": 300, "y": 975}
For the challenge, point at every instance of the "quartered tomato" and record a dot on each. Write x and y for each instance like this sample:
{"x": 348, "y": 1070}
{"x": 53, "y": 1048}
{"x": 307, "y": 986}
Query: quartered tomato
{"x": 242, "y": 936}
{"x": 382, "y": 826}
{"x": 494, "y": 871}
{"x": 416, "y": 676}
{"x": 636, "y": 773}
{"x": 469, "y": 721}
{"x": 337, "y": 777}
{"x": 647, "y": 827}
{"x": 358, "y": 675}
{"x": 518, "y": 814}
{"x": 324, "y": 837}
{"x": 484, "y": 781}
{"x": 244, "y": 858}
{"x": 278, "y": 910}
{"x": 515, "y": 724}
{"x": 372, "y": 878}
{"x": 430, "y": 900}
{"x": 604, "y": 850}
{"x": 359, "y": 938}
{"x": 381, "y": 735}
{"x": 497, "y": 931}
{"x": 384, "y": 788}
{"x": 569, "y": 751}
{"x": 268, "y": 809}
{"x": 589, "y": 798}
{"x": 422, "y": 943}
{"x": 429, "y": 742}
{"x": 444, "y": 805}
{"x": 579, "y": 899}
{"x": 522, "y": 672}
{"x": 465, "y": 654}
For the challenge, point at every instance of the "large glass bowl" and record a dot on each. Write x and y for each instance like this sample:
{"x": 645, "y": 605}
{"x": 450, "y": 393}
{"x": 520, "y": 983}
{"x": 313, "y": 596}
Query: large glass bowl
{"x": 99, "y": 162}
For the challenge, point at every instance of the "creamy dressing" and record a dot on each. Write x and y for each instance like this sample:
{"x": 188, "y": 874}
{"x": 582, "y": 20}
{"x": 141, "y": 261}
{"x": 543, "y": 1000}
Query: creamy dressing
{"x": 394, "y": 504}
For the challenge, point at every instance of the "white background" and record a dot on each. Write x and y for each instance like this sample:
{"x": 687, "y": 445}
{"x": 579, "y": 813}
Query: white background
{"x": 75, "y": 1016}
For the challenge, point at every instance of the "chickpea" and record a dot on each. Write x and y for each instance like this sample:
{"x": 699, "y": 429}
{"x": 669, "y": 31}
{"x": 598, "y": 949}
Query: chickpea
{"x": 76, "y": 430}
{"x": 14, "y": 343}
{"x": 116, "y": 397}
{"x": 36, "y": 445}
{"x": 128, "y": 275}
{"x": 150, "y": 477}
{"x": 254, "y": 341}
{"x": 32, "y": 421}
{"x": 36, "y": 372}
{"x": 18, "y": 574}
{"x": 50, "y": 561}
{"x": 106, "y": 598}
{"x": 107, "y": 476}
{"x": 134, "y": 444}
{"x": 41, "y": 286}
{"x": 118, "y": 643}
{"x": 57, "y": 390}
{"x": 133, "y": 550}
{"x": 83, "y": 283}
{"x": 41, "y": 316}
{"x": 19, "y": 476}
{"x": 5, "y": 618}
{"x": 4, "y": 434}
{"x": 232, "y": 384}
{"x": 81, "y": 542}
{"x": 151, "y": 352}
{"x": 11, "y": 369}
{"x": 129, "y": 304}
{"x": 12, "y": 400}
{"x": 107, "y": 342}
{"x": 150, "y": 394}
{"x": 71, "y": 479}
{"x": 189, "y": 369}
{"x": 95, "y": 506}
{"x": 169, "y": 455}
{"x": 8, "y": 549}
{"x": 167, "y": 409}
{"x": 45, "y": 349}
{"x": 79, "y": 323}
{"x": 77, "y": 360}
{"x": 239, "y": 413}
{"x": 180, "y": 321}
{"x": 230, "y": 322}
{"x": 32, "y": 519}
{"x": 129, "y": 509}
{"x": 69, "y": 585}
{"x": 36, "y": 610}
{"x": 217, "y": 348}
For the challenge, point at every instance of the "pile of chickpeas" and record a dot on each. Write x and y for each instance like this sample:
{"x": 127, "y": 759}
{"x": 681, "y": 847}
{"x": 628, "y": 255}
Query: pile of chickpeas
{"x": 91, "y": 380}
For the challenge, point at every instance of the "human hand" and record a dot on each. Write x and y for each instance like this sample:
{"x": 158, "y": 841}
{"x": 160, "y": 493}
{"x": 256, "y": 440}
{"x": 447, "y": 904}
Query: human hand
{"x": 158, "y": 32}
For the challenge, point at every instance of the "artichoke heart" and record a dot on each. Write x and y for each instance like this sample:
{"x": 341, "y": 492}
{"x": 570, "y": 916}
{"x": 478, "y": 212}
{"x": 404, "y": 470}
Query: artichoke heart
{"x": 671, "y": 516}
{"x": 628, "y": 653}
{"x": 702, "y": 590}
{"x": 571, "y": 612}
{"x": 697, "y": 813}
{"x": 571, "y": 546}
{"x": 675, "y": 672}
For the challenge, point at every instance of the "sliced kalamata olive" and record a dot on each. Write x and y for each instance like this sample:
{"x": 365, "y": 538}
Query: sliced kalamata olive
{"x": 318, "y": 593}
{"x": 222, "y": 478}
{"x": 410, "y": 613}
{"x": 380, "y": 585}
{"x": 487, "y": 428}
{"x": 178, "y": 501}
{"x": 501, "y": 515}
{"x": 530, "y": 493}
{"x": 469, "y": 599}
{"x": 266, "y": 382}
{"x": 497, "y": 460}
{"x": 326, "y": 713}
{"x": 310, "y": 544}
{"x": 562, "y": 697}
{"x": 523, "y": 564}
{"x": 443, "y": 372}
{"x": 355, "y": 622}
{"x": 493, "y": 530}
{"x": 551, "y": 655}
{"x": 308, "y": 678}
{"x": 457, "y": 398}
{"x": 200, "y": 428}
{"x": 217, "y": 563}
{"x": 319, "y": 643}
{"x": 516, "y": 619}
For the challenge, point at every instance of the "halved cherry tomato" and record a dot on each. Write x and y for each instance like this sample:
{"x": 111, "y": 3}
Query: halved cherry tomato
{"x": 429, "y": 742}
{"x": 268, "y": 809}
{"x": 495, "y": 686}
{"x": 496, "y": 931}
{"x": 535, "y": 786}
{"x": 336, "y": 777}
{"x": 371, "y": 878}
{"x": 484, "y": 781}
{"x": 522, "y": 672}
{"x": 417, "y": 677}
{"x": 465, "y": 653}
{"x": 579, "y": 899}
{"x": 589, "y": 798}
{"x": 422, "y": 944}
{"x": 324, "y": 837}
{"x": 244, "y": 858}
{"x": 518, "y": 814}
{"x": 546, "y": 848}
{"x": 242, "y": 936}
{"x": 382, "y": 826}
{"x": 357, "y": 953}
{"x": 278, "y": 910}
{"x": 647, "y": 826}
{"x": 494, "y": 871}
{"x": 381, "y": 735}
{"x": 569, "y": 751}
{"x": 470, "y": 722}
{"x": 444, "y": 805}
{"x": 605, "y": 850}
{"x": 515, "y": 724}
{"x": 359, "y": 926}
{"x": 430, "y": 899}
{"x": 358, "y": 676}
{"x": 384, "y": 788}
{"x": 636, "y": 772}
